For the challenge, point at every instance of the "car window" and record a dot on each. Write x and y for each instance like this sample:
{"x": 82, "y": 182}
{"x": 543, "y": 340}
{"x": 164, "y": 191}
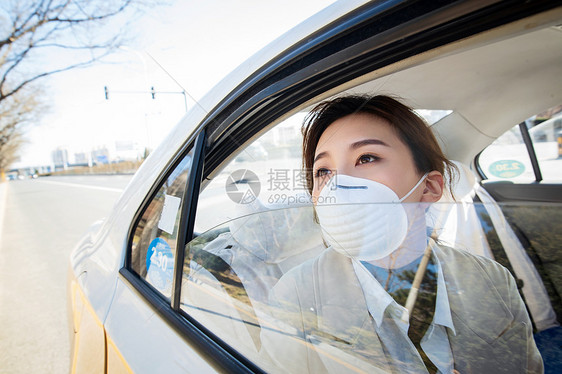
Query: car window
{"x": 154, "y": 239}
{"x": 267, "y": 172}
{"x": 260, "y": 272}
{"x": 230, "y": 269}
{"x": 546, "y": 135}
{"x": 250, "y": 282}
{"x": 241, "y": 247}
{"x": 431, "y": 116}
{"x": 507, "y": 158}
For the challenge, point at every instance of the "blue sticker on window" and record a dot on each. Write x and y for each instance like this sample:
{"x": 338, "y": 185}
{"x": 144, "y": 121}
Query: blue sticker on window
{"x": 507, "y": 168}
{"x": 160, "y": 265}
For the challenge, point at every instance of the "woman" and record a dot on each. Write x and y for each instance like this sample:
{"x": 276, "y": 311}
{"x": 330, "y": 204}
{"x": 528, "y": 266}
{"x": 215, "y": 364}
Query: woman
{"x": 384, "y": 296}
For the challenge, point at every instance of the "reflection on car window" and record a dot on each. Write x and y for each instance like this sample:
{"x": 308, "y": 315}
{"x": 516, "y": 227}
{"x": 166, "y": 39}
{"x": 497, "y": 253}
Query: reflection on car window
{"x": 268, "y": 169}
{"x": 292, "y": 288}
{"x": 229, "y": 270}
{"x": 507, "y": 157}
{"x": 546, "y": 134}
{"x": 154, "y": 241}
{"x": 275, "y": 286}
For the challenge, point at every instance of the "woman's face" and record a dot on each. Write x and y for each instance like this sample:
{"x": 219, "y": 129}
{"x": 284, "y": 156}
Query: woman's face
{"x": 365, "y": 146}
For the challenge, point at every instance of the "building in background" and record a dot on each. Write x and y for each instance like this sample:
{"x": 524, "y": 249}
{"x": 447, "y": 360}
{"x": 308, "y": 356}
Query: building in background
{"x": 60, "y": 159}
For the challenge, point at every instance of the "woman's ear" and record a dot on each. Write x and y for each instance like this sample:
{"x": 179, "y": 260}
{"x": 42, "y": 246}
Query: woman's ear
{"x": 433, "y": 189}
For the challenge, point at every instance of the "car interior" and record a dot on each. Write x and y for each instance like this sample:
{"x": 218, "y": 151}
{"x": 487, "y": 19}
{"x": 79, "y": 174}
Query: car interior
{"x": 491, "y": 83}
{"x": 485, "y": 85}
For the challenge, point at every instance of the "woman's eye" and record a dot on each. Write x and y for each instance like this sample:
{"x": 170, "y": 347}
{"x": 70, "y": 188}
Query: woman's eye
{"x": 365, "y": 159}
{"x": 321, "y": 173}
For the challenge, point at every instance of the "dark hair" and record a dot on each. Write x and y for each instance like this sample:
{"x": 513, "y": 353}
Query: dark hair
{"x": 410, "y": 127}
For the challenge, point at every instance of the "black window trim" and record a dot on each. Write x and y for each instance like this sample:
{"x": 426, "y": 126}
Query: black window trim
{"x": 531, "y": 151}
{"x": 190, "y": 198}
{"x": 175, "y": 161}
{"x": 206, "y": 341}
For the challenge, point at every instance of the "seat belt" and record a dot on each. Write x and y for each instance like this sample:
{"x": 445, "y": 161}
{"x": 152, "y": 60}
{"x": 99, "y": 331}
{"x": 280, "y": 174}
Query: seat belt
{"x": 517, "y": 261}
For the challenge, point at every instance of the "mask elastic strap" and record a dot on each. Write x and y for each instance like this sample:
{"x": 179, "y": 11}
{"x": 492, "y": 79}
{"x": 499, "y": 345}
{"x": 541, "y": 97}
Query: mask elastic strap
{"x": 413, "y": 188}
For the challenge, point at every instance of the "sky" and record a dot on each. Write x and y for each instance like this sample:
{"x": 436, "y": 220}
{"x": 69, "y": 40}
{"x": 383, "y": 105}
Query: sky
{"x": 196, "y": 42}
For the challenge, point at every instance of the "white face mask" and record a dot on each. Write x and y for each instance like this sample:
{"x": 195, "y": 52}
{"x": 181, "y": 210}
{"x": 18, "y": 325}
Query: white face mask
{"x": 362, "y": 218}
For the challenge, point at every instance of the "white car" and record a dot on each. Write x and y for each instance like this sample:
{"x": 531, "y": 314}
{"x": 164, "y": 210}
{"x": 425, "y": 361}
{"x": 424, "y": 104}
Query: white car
{"x": 162, "y": 285}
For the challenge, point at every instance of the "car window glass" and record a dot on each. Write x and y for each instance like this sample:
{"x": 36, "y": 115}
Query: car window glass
{"x": 265, "y": 173}
{"x": 265, "y": 277}
{"x": 251, "y": 283}
{"x": 269, "y": 171}
{"x": 154, "y": 239}
{"x": 268, "y": 280}
{"x": 507, "y": 157}
{"x": 546, "y": 135}
{"x": 230, "y": 269}
{"x": 431, "y": 116}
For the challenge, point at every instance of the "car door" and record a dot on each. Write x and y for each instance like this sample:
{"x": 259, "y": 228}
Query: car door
{"x": 132, "y": 325}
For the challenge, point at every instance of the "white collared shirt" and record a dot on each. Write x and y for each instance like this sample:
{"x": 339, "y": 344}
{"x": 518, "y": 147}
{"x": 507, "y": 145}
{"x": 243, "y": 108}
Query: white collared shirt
{"x": 435, "y": 342}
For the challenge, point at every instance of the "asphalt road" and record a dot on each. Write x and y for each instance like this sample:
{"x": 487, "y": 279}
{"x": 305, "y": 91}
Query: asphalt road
{"x": 42, "y": 221}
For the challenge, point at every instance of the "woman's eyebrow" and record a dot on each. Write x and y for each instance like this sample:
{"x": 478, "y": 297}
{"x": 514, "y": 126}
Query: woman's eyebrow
{"x": 355, "y": 145}
{"x": 319, "y": 156}
{"x": 364, "y": 142}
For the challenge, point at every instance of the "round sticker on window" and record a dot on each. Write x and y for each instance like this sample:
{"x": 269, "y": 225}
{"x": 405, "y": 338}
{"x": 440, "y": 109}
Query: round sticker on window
{"x": 507, "y": 168}
{"x": 160, "y": 265}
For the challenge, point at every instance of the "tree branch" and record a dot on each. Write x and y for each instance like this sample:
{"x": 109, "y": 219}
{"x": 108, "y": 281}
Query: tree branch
{"x": 90, "y": 18}
{"x": 37, "y": 26}
{"x": 26, "y": 82}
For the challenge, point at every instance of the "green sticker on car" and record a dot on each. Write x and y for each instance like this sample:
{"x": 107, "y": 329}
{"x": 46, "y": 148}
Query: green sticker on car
{"x": 507, "y": 168}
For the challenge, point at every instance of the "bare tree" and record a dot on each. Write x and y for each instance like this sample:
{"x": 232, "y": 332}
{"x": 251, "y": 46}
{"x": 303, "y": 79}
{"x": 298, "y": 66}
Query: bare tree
{"x": 17, "y": 111}
{"x": 39, "y": 38}
{"x": 9, "y": 151}
{"x": 83, "y": 31}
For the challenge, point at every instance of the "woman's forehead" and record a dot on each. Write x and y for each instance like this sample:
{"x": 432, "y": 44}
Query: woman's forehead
{"x": 354, "y": 129}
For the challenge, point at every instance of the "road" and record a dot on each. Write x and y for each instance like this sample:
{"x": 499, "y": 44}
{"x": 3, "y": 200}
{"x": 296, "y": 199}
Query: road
{"x": 43, "y": 220}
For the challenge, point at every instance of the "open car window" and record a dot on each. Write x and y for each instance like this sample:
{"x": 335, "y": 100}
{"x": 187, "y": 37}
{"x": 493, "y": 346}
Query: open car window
{"x": 286, "y": 293}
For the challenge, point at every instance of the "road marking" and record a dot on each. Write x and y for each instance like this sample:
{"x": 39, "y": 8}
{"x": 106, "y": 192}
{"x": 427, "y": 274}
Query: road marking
{"x": 84, "y": 186}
